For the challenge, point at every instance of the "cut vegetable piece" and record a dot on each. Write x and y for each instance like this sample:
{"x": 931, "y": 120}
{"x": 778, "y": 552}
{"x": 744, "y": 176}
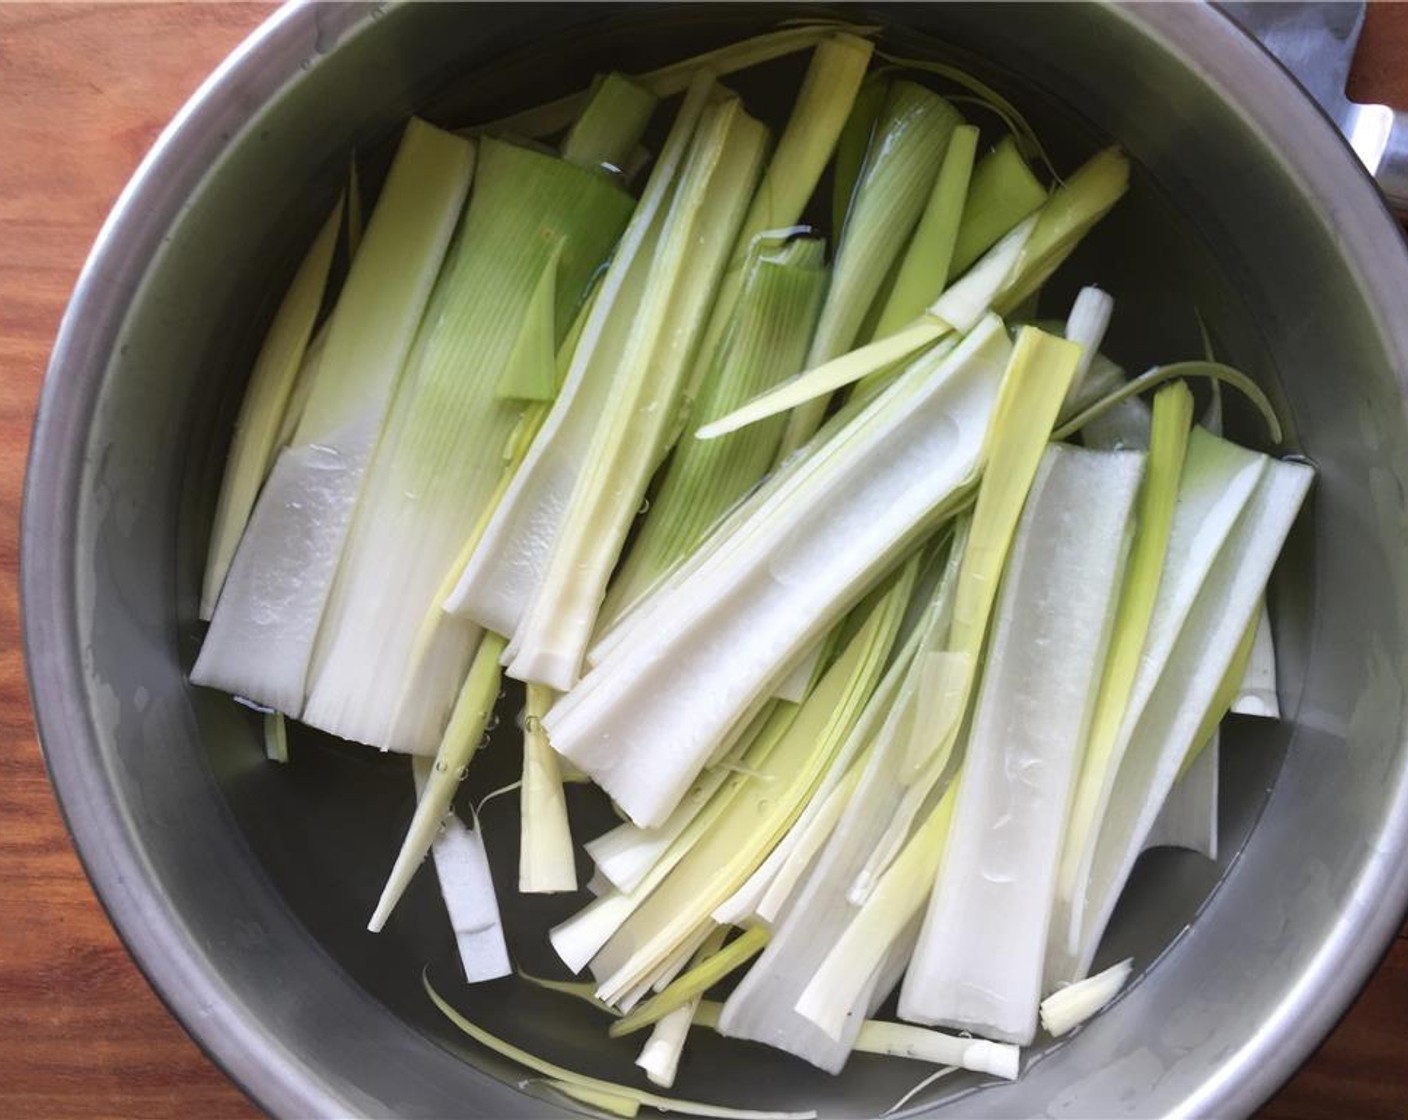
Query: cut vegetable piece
{"x": 911, "y": 135}
{"x": 467, "y": 888}
{"x": 1169, "y": 721}
{"x": 691, "y": 985}
{"x": 895, "y": 903}
{"x": 275, "y": 737}
{"x": 611, "y": 125}
{"x": 660, "y": 1057}
{"x": 1188, "y": 818}
{"x": 767, "y": 341}
{"x": 1003, "y": 192}
{"x": 462, "y": 737}
{"x": 262, "y": 634}
{"x": 1086, "y": 325}
{"x": 253, "y": 447}
{"x": 1067, "y": 1008}
{"x": 502, "y": 574}
{"x": 546, "y": 862}
{"x": 1215, "y": 482}
{"x": 978, "y": 962}
{"x": 593, "y": 1084}
{"x": 605, "y": 1099}
{"x": 853, "y": 144}
{"x": 721, "y": 641}
{"x": 927, "y": 262}
{"x": 1256, "y": 695}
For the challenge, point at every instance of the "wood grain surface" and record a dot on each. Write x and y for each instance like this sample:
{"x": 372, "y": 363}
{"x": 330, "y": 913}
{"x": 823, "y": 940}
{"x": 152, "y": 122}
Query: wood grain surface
{"x": 84, "y": 90}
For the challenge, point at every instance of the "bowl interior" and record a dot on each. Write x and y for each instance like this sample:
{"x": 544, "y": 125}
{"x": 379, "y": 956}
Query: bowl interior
{"x": 272, "y": 871}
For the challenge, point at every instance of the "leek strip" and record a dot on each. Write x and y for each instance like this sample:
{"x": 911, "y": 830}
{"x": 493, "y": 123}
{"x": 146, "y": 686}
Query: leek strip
{"x": 302, "y": 388}
{"x": 933, "y": 1078}
{"x": 535, "y": 231}
{"x": 1161, "y": 374}
{"x": 275, "y": 737}
{"x": 1002, "y": 194}
{"x": 545, "y": 859}
{"x": 467, "y": 887}
{"x": 895, "y": 902}
{"x": 1067, "y": 1008}
{"x": 583, "y": 990}
{"x": 263, "y": 631}
{"x": 462, "y": 737}
{"x": 979, "y": 958}
{"x": 852, "y": 146}
{"x": 553, "y": 117}
{"x": 1086, "y": 325}
{"x": 597, "y": 1085}
{"x": 611, "y": 125}
{"x": 1188, "y": 818}
{"x": 759, "y": 817}
{"x": 1168, "y": 447}
{"x": 502, "y": 574}
{"x": 660, "y": 1057}
{"x": 695, "y": 982}
{"x": 863, "y": 497}
{"x": 266, "y": 398}
{"x": 773, "y": 323}
{"x": 911, "y": 136}
{"x": 1179, "y": 702}
{"x": 925, "y": 269}
{"x": 1256, "y": 695}
{"x": 1222, "y": 698}
{"x": 1215, "y": 482}
{"x": 608, "y": 1100}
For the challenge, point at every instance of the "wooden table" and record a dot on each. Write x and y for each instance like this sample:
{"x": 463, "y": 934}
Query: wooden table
{"x": 84, "y": 91}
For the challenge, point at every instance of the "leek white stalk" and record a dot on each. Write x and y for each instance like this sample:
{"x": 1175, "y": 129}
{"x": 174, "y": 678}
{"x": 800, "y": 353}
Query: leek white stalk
{"x": 262, "y": 634}
{"x": 645, "y": 719}
{"x": 467, "y": 888}
{"x": 660, "y": 1057}
{"x": 1086, "y": 326}
{"x": 1257, "y": 693}
{"x": 1067, "y": 1008}
{"x": 1188, "y": 818}
{"x": 1177, "y": 705}
{"x": 545, "y": 861}
{"x": 266, "y": 397}
{"x": 702, "y": 976}
{"x": 978, "y": 961}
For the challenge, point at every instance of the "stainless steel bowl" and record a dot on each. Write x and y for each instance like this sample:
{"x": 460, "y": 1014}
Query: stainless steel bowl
{"x": 241, "y": 891}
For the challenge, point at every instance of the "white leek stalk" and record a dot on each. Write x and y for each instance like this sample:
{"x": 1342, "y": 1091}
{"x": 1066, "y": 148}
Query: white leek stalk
{"x": 1067, "y": 1008}
{"x": 978, "y": 962}
{"x": 1188, "y": 818}
{"x": 545, "y": 859}
{"x": 262, "y": 634}
{"x": 1257, "y": 694}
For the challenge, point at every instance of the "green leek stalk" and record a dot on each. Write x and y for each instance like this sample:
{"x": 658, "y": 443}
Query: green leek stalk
{"x": 773, "y": 323}
{"x": 1002, "y": 193}
{"x": 792, "y": 566}
{"x": 660, "y": 1057}
{"x": 853, "y": 144}
{"x": 611, "y": 125}
{"x": 694, "y": 983}
{"x": 546, "y": 863}
{"x": 266, "y": 398}
{"x": 263, "y": 631}
{"x": 536, "y": 230}
{"x": 551, "y": 641}
{"x": 910, "y": 137}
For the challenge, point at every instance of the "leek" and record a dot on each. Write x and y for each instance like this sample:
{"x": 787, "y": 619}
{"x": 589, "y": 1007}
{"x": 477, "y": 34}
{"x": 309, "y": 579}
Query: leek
{"x": 275, "y": 737}
{"x": 852, "y": 145}
{"x": 861, "y": 497}
{"x": 978, "y": 962}
{"x": 694, "y": 983}
{"x": 611, "y": 125}
{"x": 271, "y": 382}
{"x": 1257, "y": 694}
{"x": 545, "y": 860}
{"x": 1002, "y": 193}
{"x": 1188, "y": 818}
{"x": 263, "y": 631}
{"x": 1066, "y": 1008}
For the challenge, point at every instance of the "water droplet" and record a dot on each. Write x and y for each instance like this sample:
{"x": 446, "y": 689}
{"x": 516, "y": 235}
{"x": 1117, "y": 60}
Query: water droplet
{"x": 440, "y": 765}
{"x": 644, "y": 506}
{"x": 493, "y": 722}
{"x": 531, "y": 724}
{"x": 462, "y": 773}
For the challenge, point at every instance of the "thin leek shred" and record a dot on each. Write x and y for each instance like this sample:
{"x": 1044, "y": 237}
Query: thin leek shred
{"x": 462, "y": 737}
{"x": 1214, "y": 483}
{"x": 1188, "y": 818}
{"x": 660, "y": 1057}
{"x": 462, "y": 867}
{"x": 1086, "y": 325}
{"x": 907, "y": 149}
{"x": 546, "y": 862}
{"x": 581, "y": 1082}
{"x": 1067, "y": 1008}
{"x": 1003, "y": 193}
{"x": 264, "y": 627}
{"x": 607, "y": 1100}
{"x": 1168, "y": 446}
{"x": 611, "y": 125}
{"x": 546, "y": 120}
{"x": 271, "y": 382}
{"x": 579, "y": 939}
{"x": 979, "y": 958}
{"x": 1033, "y": 387}
{"x": 1013, "y": 268}
{"x": 502, "y": 573}
{"x": 436, "y": 471}
{"x": 275, "y": 737}
{"x": 852, "y": 145}
{"x": 765, "y": 808}
{"x": 1166, "y": 726}
{"x": 896, "y": 901}
{"x": 694, "y": 983}
{"x": 773, "y": 323}
{"x": 722, "y": 640}
{"x": 554, "y": 634}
